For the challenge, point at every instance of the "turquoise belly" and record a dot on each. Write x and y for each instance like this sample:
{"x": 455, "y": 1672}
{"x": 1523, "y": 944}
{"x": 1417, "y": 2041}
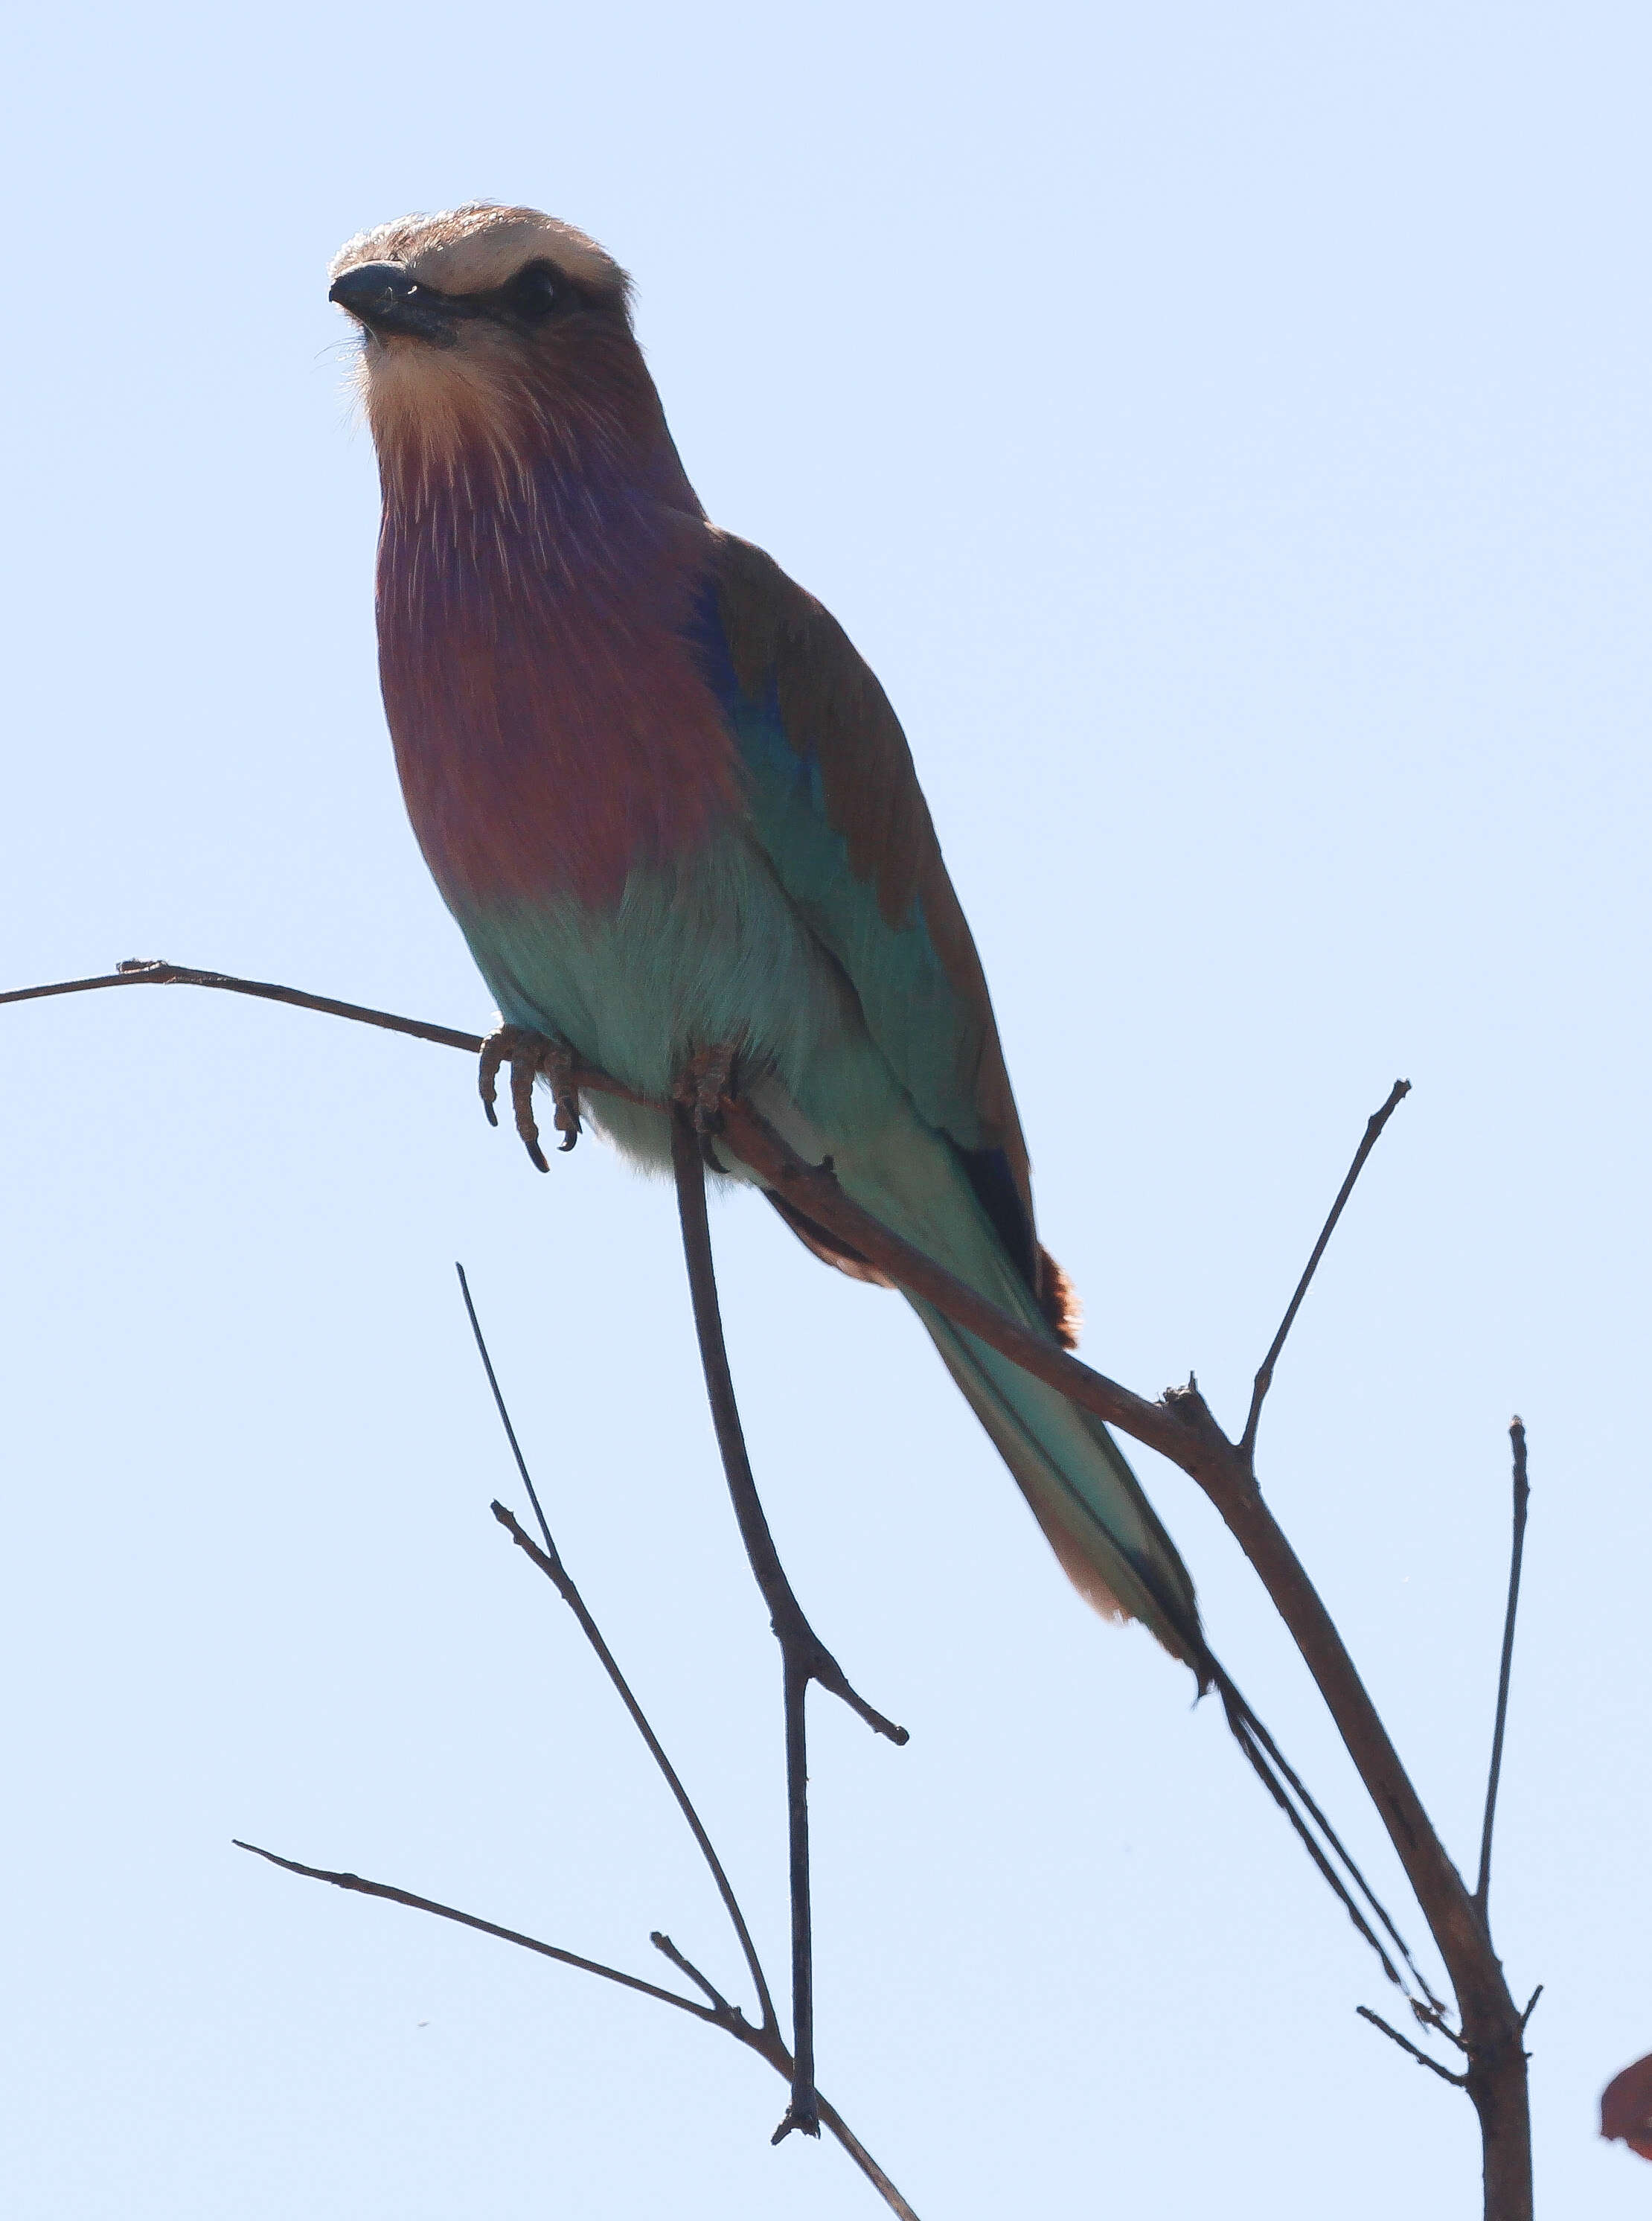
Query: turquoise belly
{"x": 703, "y": 953}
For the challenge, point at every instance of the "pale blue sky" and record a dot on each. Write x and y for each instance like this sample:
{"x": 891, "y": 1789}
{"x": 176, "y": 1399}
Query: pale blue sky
{"x": 1224, "y": 430}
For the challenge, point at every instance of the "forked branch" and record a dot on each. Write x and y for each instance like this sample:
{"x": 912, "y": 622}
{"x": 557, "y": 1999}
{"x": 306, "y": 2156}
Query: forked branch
{"x": 762, "y": 2036}
{"x": 1181, "y": 1427}
{"x": 550, "y": 1564}
{"x": 767, "y": 2043}
{"x": 803, "y": 1657}
{"x": 1445, "y": 2074}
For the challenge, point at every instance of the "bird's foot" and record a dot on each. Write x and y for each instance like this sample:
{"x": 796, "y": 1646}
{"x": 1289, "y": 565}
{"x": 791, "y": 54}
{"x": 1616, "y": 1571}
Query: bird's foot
{"x": 529, "y": 1054}
{"x": 703, "y": 1083}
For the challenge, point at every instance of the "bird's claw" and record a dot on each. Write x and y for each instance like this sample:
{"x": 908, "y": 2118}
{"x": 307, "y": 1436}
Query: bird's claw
{"x": 529, "y": 1054}
{"x": 705, "y": 1081}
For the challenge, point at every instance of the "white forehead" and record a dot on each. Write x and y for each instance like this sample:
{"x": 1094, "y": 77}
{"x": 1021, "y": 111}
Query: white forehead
{"x": 470, "y": 250}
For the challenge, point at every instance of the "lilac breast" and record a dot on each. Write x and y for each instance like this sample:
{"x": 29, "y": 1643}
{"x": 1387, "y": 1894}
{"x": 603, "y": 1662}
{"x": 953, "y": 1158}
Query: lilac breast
{"x": 551, "y": 725}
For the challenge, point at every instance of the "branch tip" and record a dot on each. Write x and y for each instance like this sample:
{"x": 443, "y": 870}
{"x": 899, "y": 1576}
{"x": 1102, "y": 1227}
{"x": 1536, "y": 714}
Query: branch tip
{"x": 1264, "y": 1381}
{"x": 664, "y": 1945}
{"x": 1521, "y": 1490}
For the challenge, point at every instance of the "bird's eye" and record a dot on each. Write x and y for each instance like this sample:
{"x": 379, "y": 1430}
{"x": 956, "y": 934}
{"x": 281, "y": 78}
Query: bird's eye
{"x": 533, "y": 292}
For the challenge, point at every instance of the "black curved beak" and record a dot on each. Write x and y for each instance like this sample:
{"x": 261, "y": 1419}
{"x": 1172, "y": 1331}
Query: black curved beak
{"x": 390, "y": 304}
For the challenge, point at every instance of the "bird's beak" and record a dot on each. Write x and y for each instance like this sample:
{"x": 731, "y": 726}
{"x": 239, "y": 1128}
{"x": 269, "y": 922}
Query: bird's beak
{"x": 391, "y": 305}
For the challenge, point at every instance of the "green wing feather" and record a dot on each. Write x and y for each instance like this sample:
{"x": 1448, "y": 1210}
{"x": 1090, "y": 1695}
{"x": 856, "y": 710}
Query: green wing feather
{"x": 835, "y": 804}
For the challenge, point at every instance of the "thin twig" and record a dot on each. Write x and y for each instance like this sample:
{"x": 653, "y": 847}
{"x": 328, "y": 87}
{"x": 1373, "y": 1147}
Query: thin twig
{"x": 1433, "y": 2016}
{"x": 803, "y": 1657}
{"x": 764, "y": 2037}
{"x": 1180, "y": 1426}
{"x": 1406, "y": 2044}
{"x": 156, "y": 972}
{"x": 832, "y": 2119}
{"x": 813, "y": 1187}
{"x": 551, "y": 1550}
{"x": 803, "y": 2112}
{"x": 1517, "y": 1548}
{"x": 554, "y": 1572}
{"x": 550, "y": 1564}
{"x": 668, "y": 1949}
{"x": 1375, "y": 1125}
{"x": 792, "y": 1623}
{"x": 766, "y": 2042}
{"x": 487, "y": 1927}
{"x": 1531, "y": 2007}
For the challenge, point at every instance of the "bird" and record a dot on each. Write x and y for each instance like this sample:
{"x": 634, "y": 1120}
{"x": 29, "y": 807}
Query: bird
{"x": 677, "y": 821}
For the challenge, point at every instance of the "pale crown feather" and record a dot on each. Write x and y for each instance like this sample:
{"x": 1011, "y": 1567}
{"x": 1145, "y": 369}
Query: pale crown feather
{"x": 476, "y": 248}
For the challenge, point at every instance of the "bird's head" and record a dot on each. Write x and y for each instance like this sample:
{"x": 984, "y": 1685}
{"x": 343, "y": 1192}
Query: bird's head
{"x": 495, "y": 332}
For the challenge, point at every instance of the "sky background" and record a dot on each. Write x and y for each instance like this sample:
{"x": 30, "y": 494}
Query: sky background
{"x": 1224, "y": 430}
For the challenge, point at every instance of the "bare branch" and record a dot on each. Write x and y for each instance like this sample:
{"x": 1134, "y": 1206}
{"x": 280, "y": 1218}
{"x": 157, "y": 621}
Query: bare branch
{"x": 804, "y": 1656}
{"x": 766, "y": 2042}
{"x": 156, "y": 972}
{"x": 1406, "y": 2044}
{"x": 1375, "y": 1125}
{"x": 1181, "y": 1428}
{"x": 765, "y": 2039}
{"x": 791, "y": 1624}
{"x": 668, "y": 1949}
{"x": 550, "y": 1564}
{"x": 755, "y": 1142}
{"x": 1517, "y": 1550}
{"x": 1433, "y": 2016}
{"x": 552, "y": 1553}
{"x": 553, "y": 1570}
{"x": 488, "y": 1928}
{"x": 832, "y": 2119}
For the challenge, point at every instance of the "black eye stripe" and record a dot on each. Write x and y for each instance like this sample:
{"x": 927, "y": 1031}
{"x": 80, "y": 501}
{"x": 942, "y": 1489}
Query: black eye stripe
{"x": 525, "y": 299}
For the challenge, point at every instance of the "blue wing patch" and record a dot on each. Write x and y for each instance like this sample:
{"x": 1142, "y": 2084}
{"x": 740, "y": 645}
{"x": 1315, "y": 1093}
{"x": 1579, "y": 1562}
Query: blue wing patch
{"x": 930, "y": 1035}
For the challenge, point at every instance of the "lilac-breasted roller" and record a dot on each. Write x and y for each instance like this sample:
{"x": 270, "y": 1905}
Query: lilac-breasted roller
{"x": 676, "y": 819}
